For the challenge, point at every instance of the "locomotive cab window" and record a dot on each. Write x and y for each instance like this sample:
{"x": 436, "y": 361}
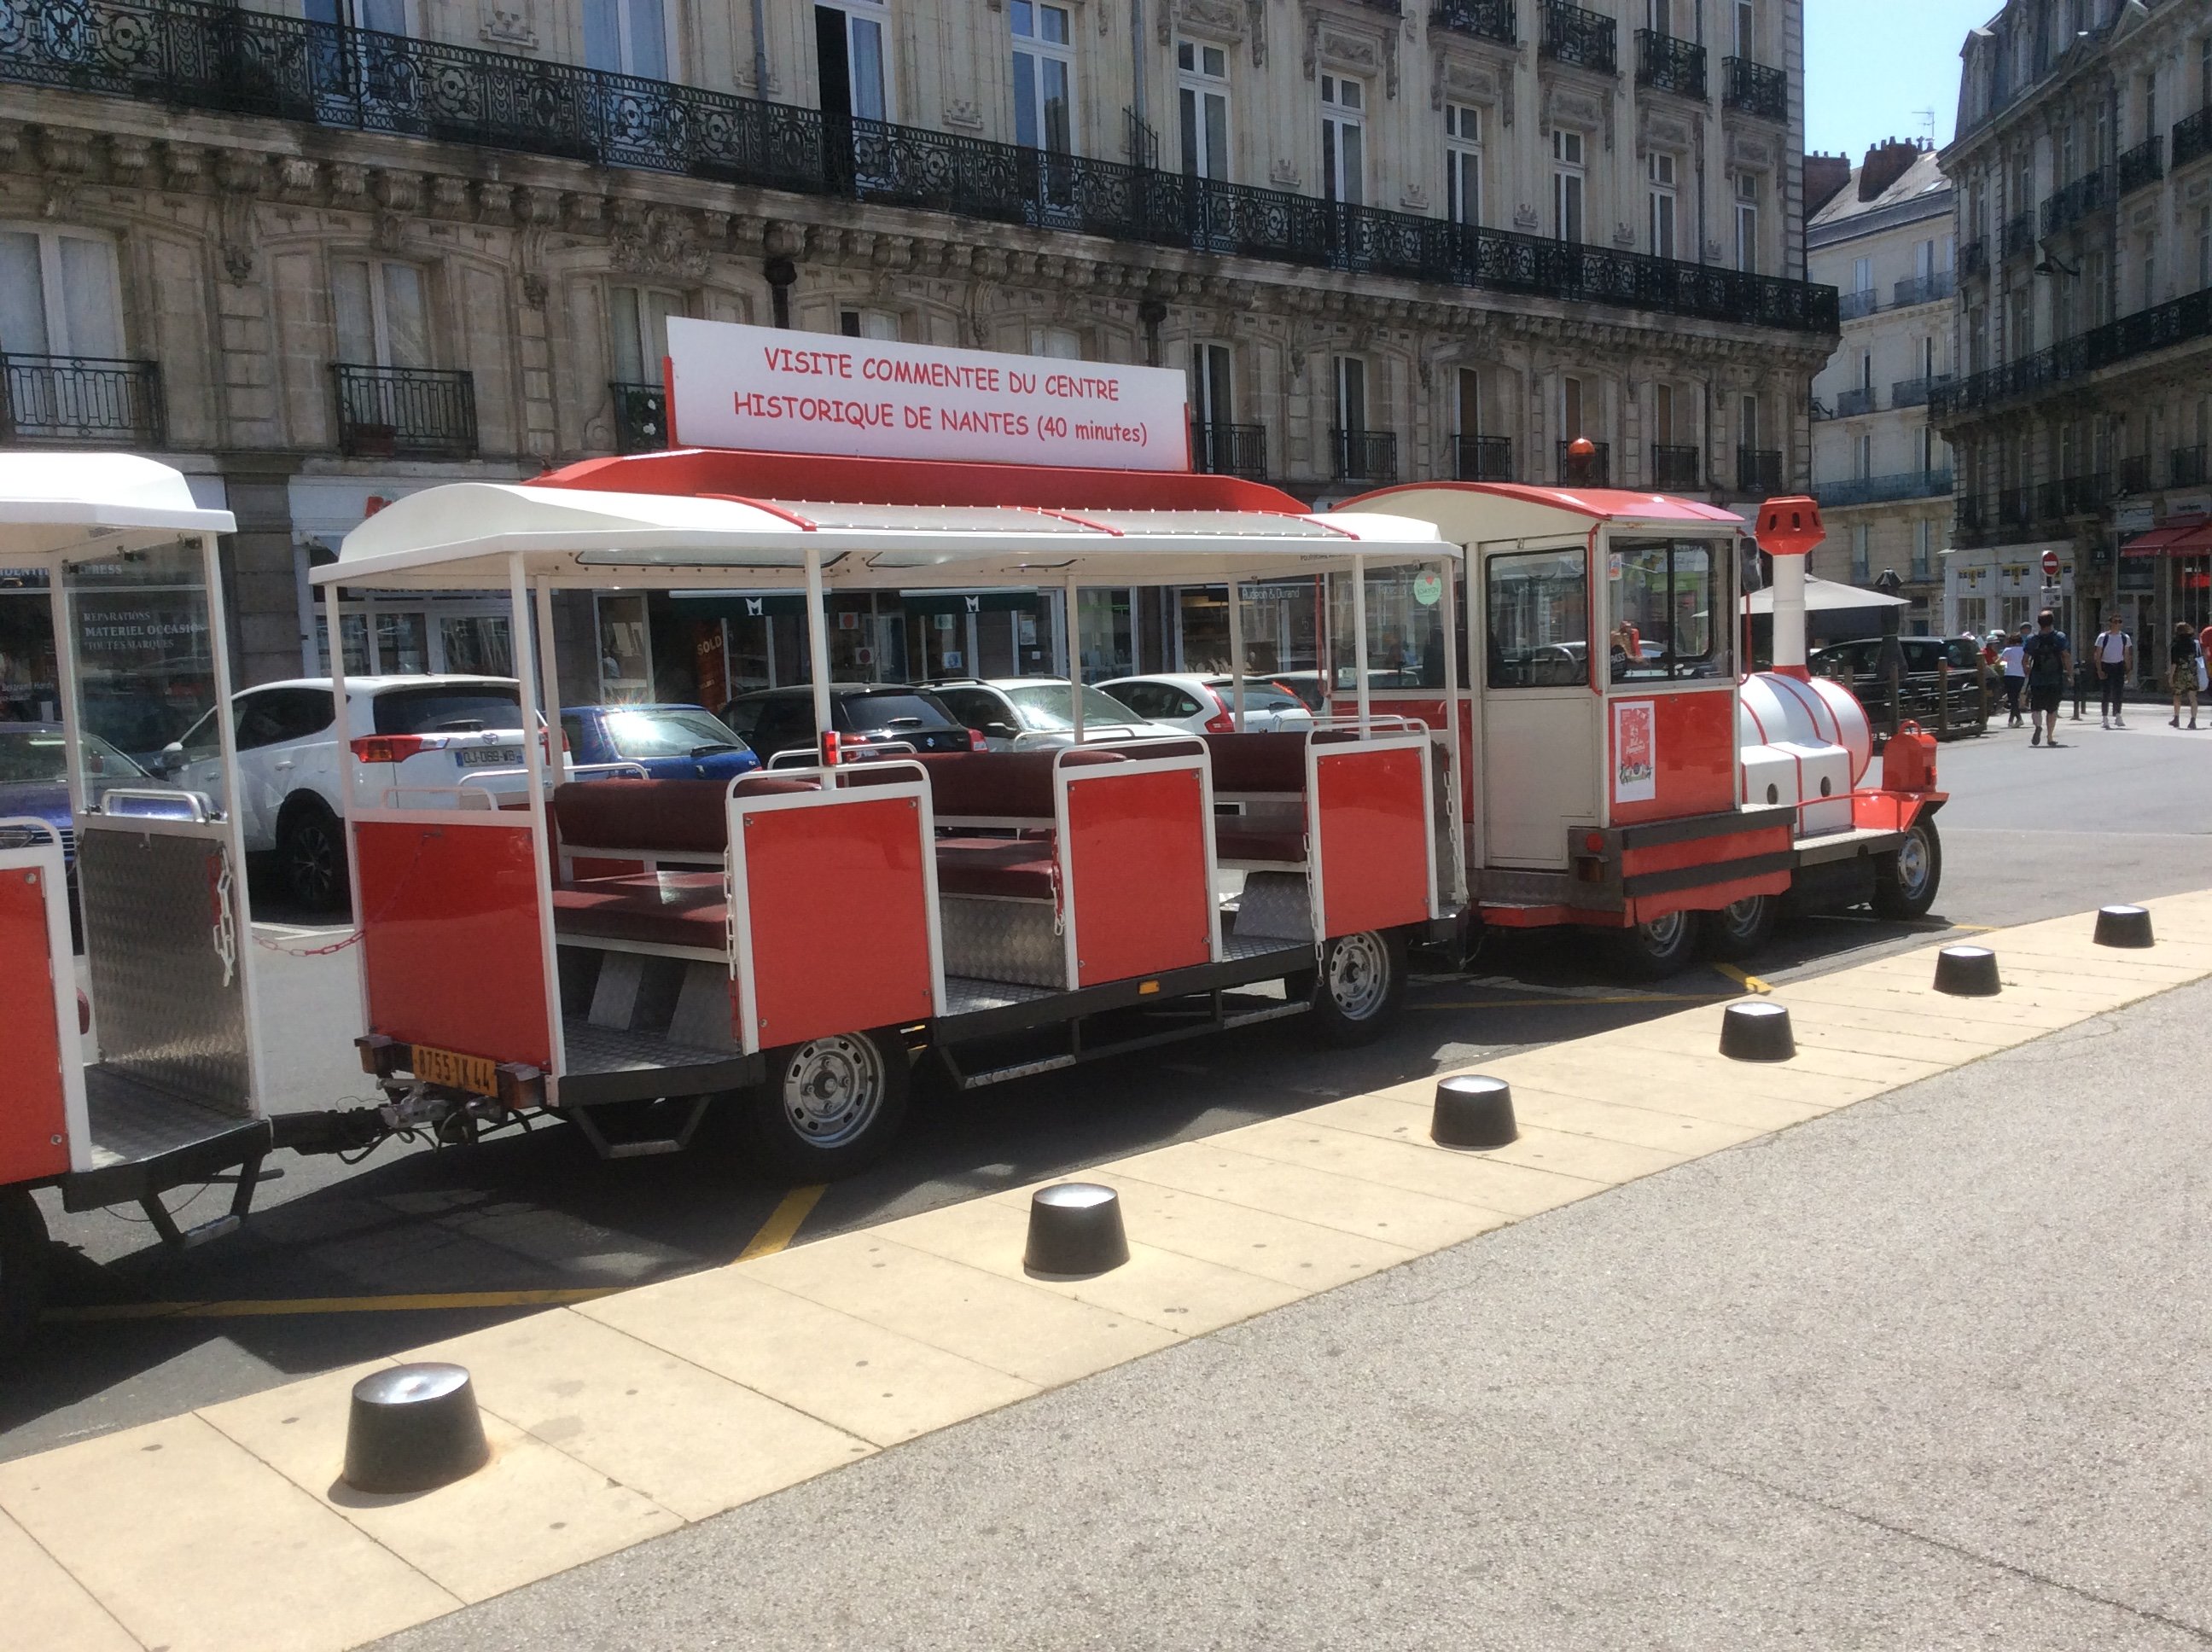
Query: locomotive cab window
{"x": 1536, "y": 606}
{"x": 1665, "y": 600}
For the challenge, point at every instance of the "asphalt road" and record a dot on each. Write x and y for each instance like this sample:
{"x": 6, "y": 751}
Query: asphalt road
{"x": 2028, "y": 834}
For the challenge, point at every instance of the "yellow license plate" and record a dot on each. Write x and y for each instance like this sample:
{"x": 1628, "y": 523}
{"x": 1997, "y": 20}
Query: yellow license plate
{"x": 436, "y": 1066}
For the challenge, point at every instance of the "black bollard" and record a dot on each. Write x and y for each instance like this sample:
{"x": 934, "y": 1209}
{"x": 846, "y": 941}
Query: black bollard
{"x": 2123, "y": 926}
{"x": 1473, "y": 1111}
{"x": 1758, "y": 1031}
{"x": 412, "y": 1429}
{"x": 1968, "y": 972}
{"x": 1075, "y": 1230}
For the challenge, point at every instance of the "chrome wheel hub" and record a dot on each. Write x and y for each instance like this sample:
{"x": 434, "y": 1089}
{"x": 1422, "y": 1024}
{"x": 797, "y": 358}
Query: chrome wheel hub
{"x": 1912, "y": 864}
{"x": 833, "y": 1088}
{"x": 1359, "y": 975}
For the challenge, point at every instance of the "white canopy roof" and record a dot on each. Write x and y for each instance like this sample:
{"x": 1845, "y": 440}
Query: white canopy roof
{"x": 54, "y": 505}
{"x": 461, "y": 535}
{"x": 1825, "y": 596}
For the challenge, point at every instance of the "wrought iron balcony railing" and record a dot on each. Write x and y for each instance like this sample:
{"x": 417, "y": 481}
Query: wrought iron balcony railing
{"x": 203, "y": 55}
{"x": 2135, "y": 473}
{"x": 1850, "y": 404}
{"x": 2073, "y": 495}
{"x": 1850, "y": 307}
{"x": 1579, "y": 37}
{"x": 2192, "y": 137}
{"x": 2185, "y": 467}
{"x": 1482, "y": 458}
{"x": 1754, "y": 88}
{"x": 1924, "y": 289}
{"x": 2143, "y": 164}
{"x": 80, "y": 398}
{"x": 1914, "y": 392}
{"x": 1488, "y": 20}
{"x": 405, "y": 412}
{"x": 2019, "y": 235}
{"x": 2012, "y": 507}
{"x": 1758, "y": 471}
{"x": 1973, "y": 260}
{"x": 1229, "y": 449}
{"x": 2092, "y": 192}
{"x": 2177, "y": 321}
{"x": 641, "y": 417}
{"x": 1674, "y": 469}
{"x": 1364, "y": 455}
{"x": 1880, "y": 489}
{"x": 1668, "y": 64}
{"x": 1601, "y": 466}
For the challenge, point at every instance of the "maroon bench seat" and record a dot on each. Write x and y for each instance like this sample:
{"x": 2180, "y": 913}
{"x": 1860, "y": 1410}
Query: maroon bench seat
{"x": 1257, "y": 762}
{"x": 1009, "y": 868}
{"x": 668, "y": 909}
{"x": 1243, "y": 837}
{"x": 688, "y": 818}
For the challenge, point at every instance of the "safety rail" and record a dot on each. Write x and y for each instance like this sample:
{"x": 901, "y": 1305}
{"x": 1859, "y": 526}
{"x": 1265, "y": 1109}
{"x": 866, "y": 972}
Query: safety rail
{"x": 1575, "y": 35}
{"x": 1754, "y": 88}
{"x": 1483, "y": 459}
{"x": 80, "y": 398}
{"x": 641, "y": 417}
{"x": 2177, "y": 321}
{"x": 1667, "y": 63}
{"x": 1487, "y": 20}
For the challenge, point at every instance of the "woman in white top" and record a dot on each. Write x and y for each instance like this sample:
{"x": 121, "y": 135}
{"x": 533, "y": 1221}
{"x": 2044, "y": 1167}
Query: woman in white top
{"x": 2011, "y": 661}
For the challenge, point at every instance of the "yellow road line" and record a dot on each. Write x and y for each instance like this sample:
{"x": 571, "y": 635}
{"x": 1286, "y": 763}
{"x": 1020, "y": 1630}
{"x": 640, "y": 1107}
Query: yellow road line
{"x": 782, "y": 1224}
{"x": 1570, "y": 1003}
{"x": 258, "y": 1307}
{"x": 1751, "y": 983}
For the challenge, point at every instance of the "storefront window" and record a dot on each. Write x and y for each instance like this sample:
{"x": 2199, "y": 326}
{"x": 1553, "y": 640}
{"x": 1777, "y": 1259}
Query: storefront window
{"x": 480, "y": 644}
{"x": 1663, "y": 592}
{"x": 625, "y": 652}
{"x": 27, "y": 690}
{"x": 146, "y": 667}
{"x": 1537, "y": 611}
{"x": 1104, "y": 637}
{"x": 1405, "y": 629}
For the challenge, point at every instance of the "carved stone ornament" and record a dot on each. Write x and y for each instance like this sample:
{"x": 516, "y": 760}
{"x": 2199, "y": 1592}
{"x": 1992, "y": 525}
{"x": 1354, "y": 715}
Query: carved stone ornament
{"x": 1256, "y": 10}
{"x": 1206, "y": 20}
{"x": 508, "y": 26}
{"x": 660, "y": 242}
{"x": 534, "y": 291}
{"x": 1415, "y": 198}
{"x": 1524, "y": 216}
{"x": 1661, "y": 129}
{"x": 1623, "y": 235}
{"x": 1462, "y": 79}
{"x": 1749, "y": 152}
{"x": 962, "y": 115}
{"x": 1284, "y": 174}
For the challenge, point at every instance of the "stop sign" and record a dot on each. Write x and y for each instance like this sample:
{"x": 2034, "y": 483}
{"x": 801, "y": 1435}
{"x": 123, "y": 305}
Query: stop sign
{"x": 2049, "y": 564}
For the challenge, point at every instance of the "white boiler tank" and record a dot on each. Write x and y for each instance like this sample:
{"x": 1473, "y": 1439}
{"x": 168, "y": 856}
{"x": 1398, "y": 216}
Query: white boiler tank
{"x": 1805, "y": 743}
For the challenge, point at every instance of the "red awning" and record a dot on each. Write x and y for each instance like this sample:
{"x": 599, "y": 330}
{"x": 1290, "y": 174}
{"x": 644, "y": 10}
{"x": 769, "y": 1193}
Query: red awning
{"x": 2183, "y": 536}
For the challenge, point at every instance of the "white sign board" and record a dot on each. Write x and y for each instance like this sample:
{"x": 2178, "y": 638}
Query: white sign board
{"x": 773, "y": 391}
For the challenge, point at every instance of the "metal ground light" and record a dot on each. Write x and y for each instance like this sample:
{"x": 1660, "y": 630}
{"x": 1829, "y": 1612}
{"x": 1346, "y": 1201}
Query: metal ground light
{"x": 414, "y": 1428}
{"x": 1075, "y": 1230}
{"x": 1968, "y": 972}
{"x": 2124, "y": 926}
{"x": 1759, "y": 1032}
{"x": 1473, "y": 1111}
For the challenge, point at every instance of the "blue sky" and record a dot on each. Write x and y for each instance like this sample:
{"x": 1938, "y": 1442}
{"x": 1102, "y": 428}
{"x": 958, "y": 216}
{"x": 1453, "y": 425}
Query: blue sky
{"x": 1871, "y": 65}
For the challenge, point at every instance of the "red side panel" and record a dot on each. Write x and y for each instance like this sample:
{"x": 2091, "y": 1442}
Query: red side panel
{"x": 1139, "y": 892}
{"x": 1374, "y": 840}
{"x": 583, "y": 867}
{"x": 1694, "y": 757}
{"x": 1705, "y": 851}
{"x": 453, "y": 951}
{"x": 34, "y": 1122}
{"x": 839, "y": 906}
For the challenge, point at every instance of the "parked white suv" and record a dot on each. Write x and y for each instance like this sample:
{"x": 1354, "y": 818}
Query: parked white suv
{"x": 1201, "y": 705}
{"x": 426, "y": 731}
{"x": 1024, "y": 714}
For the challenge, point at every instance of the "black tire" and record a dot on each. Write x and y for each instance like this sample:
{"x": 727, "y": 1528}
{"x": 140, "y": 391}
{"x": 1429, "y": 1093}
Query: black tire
{"x": 1742, "y": 930}
{"x": 1358, "y": 988}
{"x": 829, "y": 1108}
{"x": 22, "y": 1269}
{"x": 1652, "y": 951}
{"x": 311, "y": 854}
{"x": 1906, "y": 879}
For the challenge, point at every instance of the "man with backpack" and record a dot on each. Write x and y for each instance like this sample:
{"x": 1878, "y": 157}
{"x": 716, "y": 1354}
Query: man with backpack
{"x": 2115, "y": 654}
{"x": 2049, "y": 662}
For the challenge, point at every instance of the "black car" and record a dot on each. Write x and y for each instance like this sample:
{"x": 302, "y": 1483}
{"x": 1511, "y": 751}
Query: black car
{"x": 1922, "y": 685}
{"x": 773, "y": 720}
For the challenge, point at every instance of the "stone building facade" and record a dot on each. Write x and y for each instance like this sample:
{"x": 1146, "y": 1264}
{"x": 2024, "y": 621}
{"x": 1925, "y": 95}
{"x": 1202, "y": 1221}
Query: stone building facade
{"x": 319, "y": 260}
{"x": 2082, "y": 178}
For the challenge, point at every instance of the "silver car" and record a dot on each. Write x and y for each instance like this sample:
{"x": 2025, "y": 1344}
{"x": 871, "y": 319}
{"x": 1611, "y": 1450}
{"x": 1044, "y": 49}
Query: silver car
{"x": 1028, "y": 714}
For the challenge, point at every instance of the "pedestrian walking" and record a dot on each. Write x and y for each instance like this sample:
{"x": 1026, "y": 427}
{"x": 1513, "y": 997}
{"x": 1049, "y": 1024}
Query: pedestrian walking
{"x": 2114, "y": 651}
{"x": 2011, "y": 660}
{"x": 2184, "y": 671}
{"x": 2049, "y": 662}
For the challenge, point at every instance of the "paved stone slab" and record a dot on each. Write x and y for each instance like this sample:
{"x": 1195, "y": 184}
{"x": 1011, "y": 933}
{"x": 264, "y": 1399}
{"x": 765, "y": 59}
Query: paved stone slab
{"x": 45, "y": 1606}
{"x": 1477, "y": 1178}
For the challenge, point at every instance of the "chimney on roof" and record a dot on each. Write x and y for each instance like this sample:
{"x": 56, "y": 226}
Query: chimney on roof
{"x": 1825, "y": 177}
{"x": 1885, "y": 162}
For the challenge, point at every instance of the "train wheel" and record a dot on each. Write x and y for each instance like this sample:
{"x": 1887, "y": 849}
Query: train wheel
{"x": 1742, "y": 928}
{"x": 1662, "y": 947}
{"x": 1358, "y": 987}
{"x": 829, "y": 1108}
{"x": 1905, "y": 881}
{"x": 22, "y": 1268}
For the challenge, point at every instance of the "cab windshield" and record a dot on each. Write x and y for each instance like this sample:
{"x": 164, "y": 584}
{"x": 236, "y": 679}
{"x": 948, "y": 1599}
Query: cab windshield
{"x": 1664, "y": 602}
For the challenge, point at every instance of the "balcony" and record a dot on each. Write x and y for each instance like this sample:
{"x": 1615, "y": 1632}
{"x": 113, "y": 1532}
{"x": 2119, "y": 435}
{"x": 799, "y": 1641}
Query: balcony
{"x": 1850, "y": 307}
{"x": 1584, "y": 39}
{"x": 1924, "y": 289}
{"x": 2177, "y": 321}
{"x": 1915, "y": 392}
{"x": 1850, "y": 404}
{"x": 641, "y": 417}
{"x": 79, "y": 399}
{"x": 1758, "y": 472}
{"x": 2090, "y": 194}
{"x": 1229, "y": 449}
{"x": 1754, "y": 88}
{"x": 1973, "y": 260}
{"x": 1486, "y": 19}
{"x": 405, "y": 412}
{"x": 2012, "y": 507}
{"x": 2185, "y": 467}
{"x": 2143, "y": 164}
{"x": 2018, "y": 235}
{"x": 1482, "y": 458}
{"x": 1668, "y": 65}
{"x": 1601, "y": 466}
{"x": 198, "y": 54}
{"x": 2073, "y": 495}
{"x": 2135, "y": 473}
{"x": 1364, "y": 455}
{"x": 1881, "y": 489}
{"x": 2192, "y": 137}
{"x": 1674, "y": 469}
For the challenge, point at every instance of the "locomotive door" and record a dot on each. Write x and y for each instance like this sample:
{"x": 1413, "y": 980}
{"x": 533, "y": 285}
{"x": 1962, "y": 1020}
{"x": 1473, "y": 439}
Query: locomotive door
{"x": 1539, "y": 722}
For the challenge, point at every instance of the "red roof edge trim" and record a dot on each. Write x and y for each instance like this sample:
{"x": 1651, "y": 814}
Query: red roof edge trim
{"x": 772, "y": 509}
{"x": 1605, "y": 504}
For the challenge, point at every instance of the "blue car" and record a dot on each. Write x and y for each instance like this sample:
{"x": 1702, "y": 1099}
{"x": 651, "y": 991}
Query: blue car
{"x": 34, "y": 776}
{"x": 670, "y": 742}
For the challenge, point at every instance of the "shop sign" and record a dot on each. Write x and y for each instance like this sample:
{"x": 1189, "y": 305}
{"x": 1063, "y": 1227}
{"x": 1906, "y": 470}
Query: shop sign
{"x": 773, "y": 390}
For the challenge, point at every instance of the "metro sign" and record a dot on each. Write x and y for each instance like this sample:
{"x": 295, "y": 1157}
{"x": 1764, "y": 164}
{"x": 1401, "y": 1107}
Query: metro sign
{"x": 769, "y": 390}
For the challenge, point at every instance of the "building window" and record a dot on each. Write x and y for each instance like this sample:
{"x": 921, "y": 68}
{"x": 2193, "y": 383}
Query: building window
{"x": 58, "y": 295}
{"x": 637, "y": 324}
{"x": 1571, "y": 410}
{"x": 2203, "y": 247}
{"x": 1343, "y": 162}
{"x": 1463, "y": 164}
{"x": 1746, "y": 29}
{"x": 1045, "y": 77}
{"x": 1061, "y": 344}
{"x": 1862, "y": 455}
{"x": 382, "y": 312}
{"x": 2150, "y": 271}
{"x": 1861, "y": 552}
{"x": 848, "y": 49}
{"x": 1747, "y": 222}
{"x": 1861, "y": 275}
{"x": 1351, "y": 396}
{"x": 1748, "y": 423}
{"x": 387, "y": 17}
{"x": 1567, "y": 180}
{"x": 1202, "y": 86}
{"x": 627, "y": 37}
{"x": 1466, "y": 402}
{"x": 1659, "y": 170}
{"x": 1212, "y": 385}
{"x": 2150, "y": 104}
{"x": 869, "y": 324}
